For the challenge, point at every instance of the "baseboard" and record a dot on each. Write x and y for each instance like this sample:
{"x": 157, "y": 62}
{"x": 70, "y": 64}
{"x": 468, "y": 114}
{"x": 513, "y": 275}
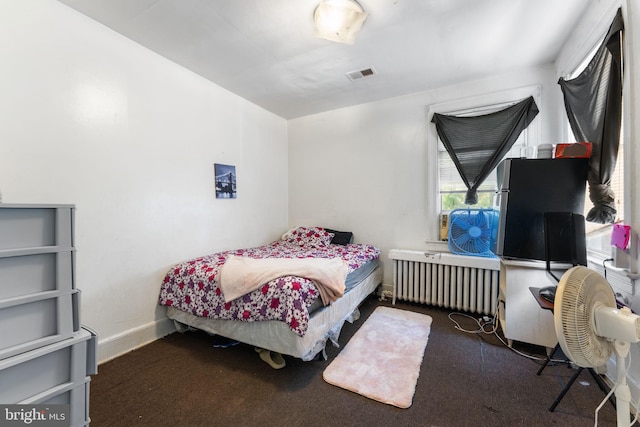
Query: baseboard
{"x": 117, "y": 345}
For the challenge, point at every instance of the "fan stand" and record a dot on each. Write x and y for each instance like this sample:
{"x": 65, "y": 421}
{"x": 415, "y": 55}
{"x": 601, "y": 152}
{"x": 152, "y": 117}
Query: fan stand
{"x": 575, "y": 376}
{"x": 548, "y": 306}
{"x": 622, "y": 391}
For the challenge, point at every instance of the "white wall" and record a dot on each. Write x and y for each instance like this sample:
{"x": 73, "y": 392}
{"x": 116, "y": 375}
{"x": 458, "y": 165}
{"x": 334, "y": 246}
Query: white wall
{"x": 90, "y": 118}
{"x": 367, "y": 168}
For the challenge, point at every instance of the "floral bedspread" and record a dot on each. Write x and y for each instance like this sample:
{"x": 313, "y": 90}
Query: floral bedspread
{"x": 191, "y": 286}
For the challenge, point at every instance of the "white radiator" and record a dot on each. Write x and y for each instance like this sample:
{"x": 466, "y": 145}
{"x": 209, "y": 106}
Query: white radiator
{"x": 464, "y": 283}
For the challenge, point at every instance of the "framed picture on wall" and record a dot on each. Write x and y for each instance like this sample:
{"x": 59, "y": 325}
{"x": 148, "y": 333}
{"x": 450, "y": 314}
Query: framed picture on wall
{"x": 225, "y": 181}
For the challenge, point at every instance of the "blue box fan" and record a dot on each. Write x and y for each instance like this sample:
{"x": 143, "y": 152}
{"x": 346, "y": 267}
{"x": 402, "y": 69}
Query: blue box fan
{"x": 472, "y": 231}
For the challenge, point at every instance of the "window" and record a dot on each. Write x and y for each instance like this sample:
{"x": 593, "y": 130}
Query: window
{"x": 617, "y": 185}
{"x": 446, "y": 189}
{"x": 451, "y": 187}
{"x": 599, "y": 235}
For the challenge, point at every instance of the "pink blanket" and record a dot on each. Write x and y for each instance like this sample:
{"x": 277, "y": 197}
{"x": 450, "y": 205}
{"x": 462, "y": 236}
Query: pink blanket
{"x": 240, "y": 275}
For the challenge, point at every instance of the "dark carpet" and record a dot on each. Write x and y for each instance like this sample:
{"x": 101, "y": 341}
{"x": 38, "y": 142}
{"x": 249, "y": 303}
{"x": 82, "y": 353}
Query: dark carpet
{"x": 465, "y": 380}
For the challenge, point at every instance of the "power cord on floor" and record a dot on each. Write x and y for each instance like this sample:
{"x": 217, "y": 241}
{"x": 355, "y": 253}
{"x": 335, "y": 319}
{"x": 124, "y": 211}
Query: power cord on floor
{"x": 481, "y": 322}
{"x": 613, "y": 389}
{"x": 482, "y": 329}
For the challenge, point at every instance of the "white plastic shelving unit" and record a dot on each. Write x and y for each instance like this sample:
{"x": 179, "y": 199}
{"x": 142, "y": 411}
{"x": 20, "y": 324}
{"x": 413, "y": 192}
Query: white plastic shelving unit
{"x": 46, "y": 356}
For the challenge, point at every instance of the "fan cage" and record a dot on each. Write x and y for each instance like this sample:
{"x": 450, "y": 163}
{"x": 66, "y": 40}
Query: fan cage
{"x": 579, "y": 293}
{"x": 473, "y": 232}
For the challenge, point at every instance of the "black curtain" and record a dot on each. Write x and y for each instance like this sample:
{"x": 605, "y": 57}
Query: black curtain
{"x": 477, "y": 144}
{"x": 593, "y": 101}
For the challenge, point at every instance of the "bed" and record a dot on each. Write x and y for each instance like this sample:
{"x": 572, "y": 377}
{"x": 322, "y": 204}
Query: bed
{"x": 286, "y": 315}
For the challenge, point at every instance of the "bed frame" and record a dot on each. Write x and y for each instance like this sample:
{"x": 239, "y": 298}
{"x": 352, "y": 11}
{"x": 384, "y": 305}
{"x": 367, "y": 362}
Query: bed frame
{"x": 324, "y": 324}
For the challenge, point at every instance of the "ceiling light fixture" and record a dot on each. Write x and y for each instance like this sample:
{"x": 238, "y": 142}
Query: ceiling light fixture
{"x": 338, "y": 20}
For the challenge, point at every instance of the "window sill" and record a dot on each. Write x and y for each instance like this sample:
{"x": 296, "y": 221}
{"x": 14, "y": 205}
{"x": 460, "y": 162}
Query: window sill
{"x": 437, "y": 246}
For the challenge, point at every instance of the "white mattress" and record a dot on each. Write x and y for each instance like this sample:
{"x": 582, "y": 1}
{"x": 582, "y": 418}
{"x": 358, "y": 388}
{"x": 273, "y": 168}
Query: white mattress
{"x": 324, "y": 324}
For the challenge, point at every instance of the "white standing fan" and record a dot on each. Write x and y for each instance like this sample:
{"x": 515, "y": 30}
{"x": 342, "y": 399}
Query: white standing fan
{"x": 590, "y": 327}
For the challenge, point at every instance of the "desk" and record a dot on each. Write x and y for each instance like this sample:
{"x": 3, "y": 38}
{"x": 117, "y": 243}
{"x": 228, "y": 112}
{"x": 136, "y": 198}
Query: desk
{"x": 520, "y": 315}
{"x": 543, "y": 303}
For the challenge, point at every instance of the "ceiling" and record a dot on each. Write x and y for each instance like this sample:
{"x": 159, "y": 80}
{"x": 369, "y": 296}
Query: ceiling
{"x": 265, "y": 52}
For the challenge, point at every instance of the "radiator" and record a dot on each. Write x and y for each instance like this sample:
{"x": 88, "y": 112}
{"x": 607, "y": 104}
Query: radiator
{"x": 463, "y": 283}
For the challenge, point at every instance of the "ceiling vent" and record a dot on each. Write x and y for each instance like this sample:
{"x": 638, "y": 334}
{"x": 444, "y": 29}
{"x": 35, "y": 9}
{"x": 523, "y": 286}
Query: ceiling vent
{"x": 361, "y": 74}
